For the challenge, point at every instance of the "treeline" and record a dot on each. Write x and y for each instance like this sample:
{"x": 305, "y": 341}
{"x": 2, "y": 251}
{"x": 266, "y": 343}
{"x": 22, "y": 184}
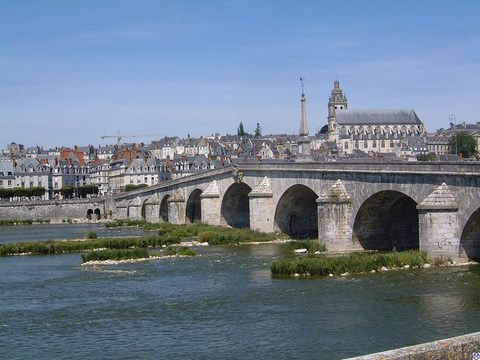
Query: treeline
{"x": 81, "y": 191}
{"x": 66, "y": 191}
{"x": 22, "y": 192}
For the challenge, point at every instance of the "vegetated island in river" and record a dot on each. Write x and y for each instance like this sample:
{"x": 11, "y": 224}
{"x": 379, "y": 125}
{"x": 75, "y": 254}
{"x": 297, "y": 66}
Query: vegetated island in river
{"x": 122, "y": 255}
{"x": 171, "y": 236}
{"x": 309, "y": 260}
{"x": 163, "y": 235}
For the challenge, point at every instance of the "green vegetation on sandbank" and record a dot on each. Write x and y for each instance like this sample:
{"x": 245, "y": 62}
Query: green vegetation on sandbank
{"x": 71, "y": 246}
{"x": 134, "y": 254}
{"x": 115, "y": 254}
{"x": 10, "y": 222}
{"x": 352, "y": 263}
{"x": 214, "y": 235}
{"x": 312, "y": 246}
{"x": 167, "y": 234}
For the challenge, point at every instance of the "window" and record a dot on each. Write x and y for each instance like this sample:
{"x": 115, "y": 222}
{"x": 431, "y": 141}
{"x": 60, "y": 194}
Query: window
{"x": 374, "y": 144}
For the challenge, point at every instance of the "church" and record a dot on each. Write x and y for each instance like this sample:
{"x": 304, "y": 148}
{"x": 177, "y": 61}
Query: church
{"x": 370, "y": 131}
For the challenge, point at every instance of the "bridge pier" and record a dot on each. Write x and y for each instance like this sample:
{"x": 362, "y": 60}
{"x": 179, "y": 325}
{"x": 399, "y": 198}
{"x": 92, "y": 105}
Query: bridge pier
{"x": 439, "y": 225}
{"x": 260, "y": 207}
{"x": 135, "y": 209}
{"x": 210, "y": 204}
{"x": 176, "y": 208}
{"x": 152, "y": 209}
{"x": 122, "y": 210}
{"x": 335, "y": 221}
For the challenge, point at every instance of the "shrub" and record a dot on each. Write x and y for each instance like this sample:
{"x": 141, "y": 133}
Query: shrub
{"x": 311, "y": 245}
{"x": 91, "y": 235}
{"x": 183, "y": 251}
{"x": 117, "y": 254}
{"x": 186, "y": 251}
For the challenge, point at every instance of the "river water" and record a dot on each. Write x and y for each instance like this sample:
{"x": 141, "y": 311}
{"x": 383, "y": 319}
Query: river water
{"x": 221, "y": 304}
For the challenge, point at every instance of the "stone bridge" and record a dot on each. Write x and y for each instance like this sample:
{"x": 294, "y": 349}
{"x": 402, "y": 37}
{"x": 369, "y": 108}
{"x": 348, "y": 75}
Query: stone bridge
{"x": 429, "y": 206}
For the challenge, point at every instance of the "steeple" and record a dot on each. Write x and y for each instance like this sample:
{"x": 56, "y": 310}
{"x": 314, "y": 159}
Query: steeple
{"x": 303, "y": 123}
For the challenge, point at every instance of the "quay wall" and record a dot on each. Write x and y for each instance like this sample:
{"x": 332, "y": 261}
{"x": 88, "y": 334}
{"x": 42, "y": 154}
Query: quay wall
{"x": 456, "y": 348}
{"x": 54, "y": 210}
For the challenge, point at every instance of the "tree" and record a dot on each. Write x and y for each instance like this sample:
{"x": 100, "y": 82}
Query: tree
{"x": 324, "y": 129}
{"x": 83, "y": 191}
{"x": 463, "y": 143}
{"x": 6, "y": 193}
{"x": 258, "y": 131}
{"x": 131, "y": 187}
{"x": 427, "y": 157}
{"x": 37, "y": 191}
{"x": 67, "y": 191}
{"x": 240, "y": 130}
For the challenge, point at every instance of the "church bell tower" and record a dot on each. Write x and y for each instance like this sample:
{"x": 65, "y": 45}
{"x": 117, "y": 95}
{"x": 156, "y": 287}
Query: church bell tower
{"x": 337, "y": 101}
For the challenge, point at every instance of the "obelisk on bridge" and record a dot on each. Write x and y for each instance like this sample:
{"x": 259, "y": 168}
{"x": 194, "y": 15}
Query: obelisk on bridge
{"x": 304, "y": 141}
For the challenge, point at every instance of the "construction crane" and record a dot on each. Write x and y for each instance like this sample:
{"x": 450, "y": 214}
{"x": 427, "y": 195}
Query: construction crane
{"x": 119, "y": 136}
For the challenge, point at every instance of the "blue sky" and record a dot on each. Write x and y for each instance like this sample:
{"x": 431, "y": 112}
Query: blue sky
{"x": 72, "y": 71}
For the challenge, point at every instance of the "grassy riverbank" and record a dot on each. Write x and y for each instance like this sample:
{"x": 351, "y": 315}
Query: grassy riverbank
{"x": 352, "y": 263}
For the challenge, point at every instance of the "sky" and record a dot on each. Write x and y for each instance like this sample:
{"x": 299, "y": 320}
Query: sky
{"x": 74, "y": 71}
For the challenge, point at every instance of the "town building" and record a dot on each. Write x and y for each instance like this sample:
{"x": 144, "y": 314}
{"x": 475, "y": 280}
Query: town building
{"x": 7, "y": 178}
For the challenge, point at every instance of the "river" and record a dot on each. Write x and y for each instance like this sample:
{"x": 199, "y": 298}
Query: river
{"x": 221, "y": 304}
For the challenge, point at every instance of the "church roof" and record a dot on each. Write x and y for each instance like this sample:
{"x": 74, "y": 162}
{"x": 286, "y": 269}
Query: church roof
{"x": 377, "y": 117}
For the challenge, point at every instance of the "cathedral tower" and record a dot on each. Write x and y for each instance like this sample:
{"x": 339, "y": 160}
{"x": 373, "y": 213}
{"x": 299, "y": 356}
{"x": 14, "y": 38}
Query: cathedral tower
{"x": 338, "y": 101}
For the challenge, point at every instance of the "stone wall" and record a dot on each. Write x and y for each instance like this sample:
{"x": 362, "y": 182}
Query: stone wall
{"x": 54, "y": 210}
{"x": 456, "y": 348}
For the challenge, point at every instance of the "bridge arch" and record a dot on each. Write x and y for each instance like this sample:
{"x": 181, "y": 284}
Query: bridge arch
{"x": 387, "y": 220}
{"x": 193, "y": 210}
{"x": 89, "y": 214}
{"x": 296, "y": 212}
{"x": 470, "y": 239}
{"x": 163, "y": 211}
{"x": 235, "y": 209}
